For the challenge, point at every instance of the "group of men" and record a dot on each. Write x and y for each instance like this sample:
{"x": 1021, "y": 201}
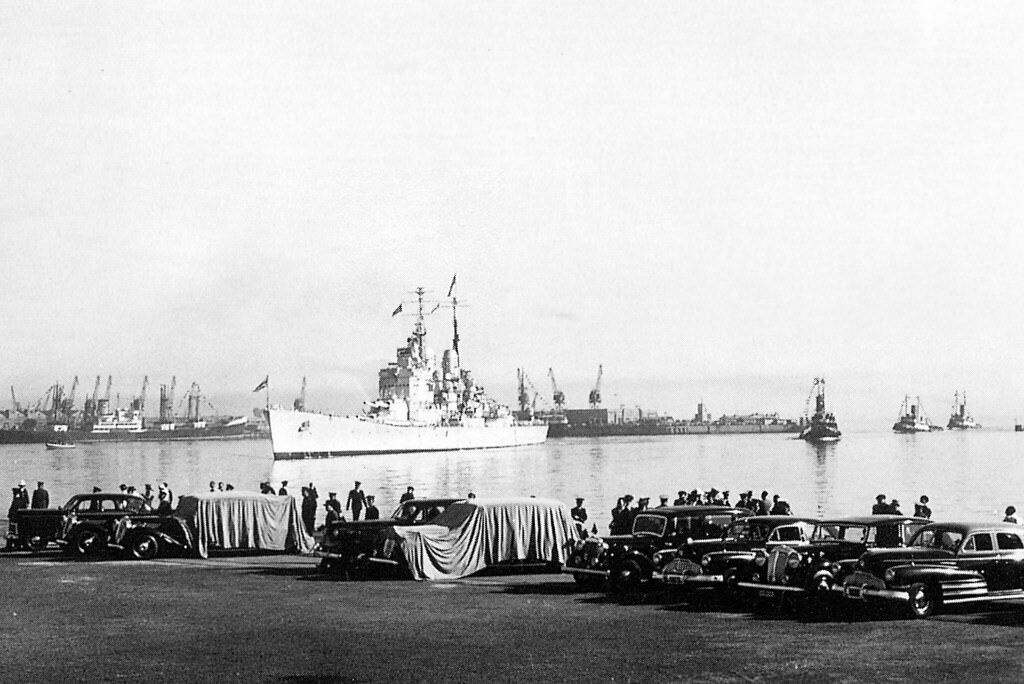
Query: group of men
{"x": 882, "y": 507}
{"x": 20, "y": 497}
{"x": 624, "y": 513}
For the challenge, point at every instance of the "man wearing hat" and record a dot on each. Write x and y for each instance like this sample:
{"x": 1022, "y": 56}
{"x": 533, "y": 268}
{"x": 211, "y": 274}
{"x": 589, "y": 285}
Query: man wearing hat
{"x": 662, "y": 501}
{"x": 681, "y": 499}
{"x": 894, "y": 507}
{"x": 921, "y": 509}
{"x": 371, "y": 510}
{"x": 356, "y": 501}
{"x": 40, "y": 497}
{"x": 409, "y": 494}
{"x": 283, "y": 491}
{"x": 880, "y": 507}
{"x": 579, "y": 513}
{"x": 22, "y": 495}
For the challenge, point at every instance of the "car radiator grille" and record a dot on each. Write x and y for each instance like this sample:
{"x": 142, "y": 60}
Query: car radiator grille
{"x": 776, "y": 570}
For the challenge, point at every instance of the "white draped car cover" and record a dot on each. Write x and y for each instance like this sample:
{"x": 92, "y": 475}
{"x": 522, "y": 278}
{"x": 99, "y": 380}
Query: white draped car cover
{"x": 247, "y": 520}
{"x": 472, "y": 535}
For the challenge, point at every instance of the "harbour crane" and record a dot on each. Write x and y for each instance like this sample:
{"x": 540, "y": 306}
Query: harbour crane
{"x": 595, "y": 394}
{"x": 140, "y": 403}
{"x": 557, "y": 395}
{"x": 69, "y": 403}
{"x": 17, "y": 406}
{"x": 300, "y": 403}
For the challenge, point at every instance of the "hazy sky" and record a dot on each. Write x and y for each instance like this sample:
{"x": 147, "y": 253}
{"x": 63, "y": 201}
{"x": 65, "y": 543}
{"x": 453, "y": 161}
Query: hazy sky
{"x": 714, "y": 200}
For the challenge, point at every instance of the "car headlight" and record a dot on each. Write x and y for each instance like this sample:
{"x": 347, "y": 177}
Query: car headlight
{"x": 794, "y": 560}
{"x": 760, "y": 558}
{"x": 836, "y": 568}
{"x": 862, "y": 564}
{"x": 706, "y": 560}
{"x": 890, "y": 575}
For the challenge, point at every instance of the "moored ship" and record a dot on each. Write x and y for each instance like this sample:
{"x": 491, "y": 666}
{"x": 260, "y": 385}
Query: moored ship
{"x": 912, "y": 419}
{"x": 959, "y": 419}
{"x": 823, "y": 426}
{"x": 421, "y": 406}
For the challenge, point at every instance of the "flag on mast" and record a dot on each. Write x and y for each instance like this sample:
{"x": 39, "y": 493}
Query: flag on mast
{"x": 452, "y": 286}
{"x": 263, "y": 385}
{"x": 396, "y": 311}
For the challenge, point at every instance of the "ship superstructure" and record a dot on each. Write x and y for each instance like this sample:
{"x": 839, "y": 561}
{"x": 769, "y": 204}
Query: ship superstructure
{"x": 422, "y": 405}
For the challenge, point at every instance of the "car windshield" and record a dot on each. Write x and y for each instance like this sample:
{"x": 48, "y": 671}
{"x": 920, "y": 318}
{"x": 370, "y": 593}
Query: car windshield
{"x": 949, "y": 540}
{"x": 649, "y": 524}
{"x": 826, "y": 532}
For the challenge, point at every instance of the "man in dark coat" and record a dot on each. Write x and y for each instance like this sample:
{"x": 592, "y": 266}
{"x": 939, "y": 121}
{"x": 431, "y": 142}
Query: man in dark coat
{"x": 579, "y": 513}
{"x": 880, "y": 507}
{"x": 921, "y": 509}
{"x": 40, "y": 497}
{"x": 356, "y": 501}
{"x": 22, "y": 495}
{"x": 283, "y": 491}
{"x": 371, "y": 510}
{"x": 408, "y": 496}
{"x": 308, "y": 510}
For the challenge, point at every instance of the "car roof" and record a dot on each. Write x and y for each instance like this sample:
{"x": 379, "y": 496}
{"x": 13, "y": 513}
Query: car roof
{"x": 873, "y": 520}
{"x": 435, "y": 501}
{"x": 108, "y": 495}
{"x": 976, "y": 526}
{"x": 686, "y": 510}
{"x": 776, "y": 520}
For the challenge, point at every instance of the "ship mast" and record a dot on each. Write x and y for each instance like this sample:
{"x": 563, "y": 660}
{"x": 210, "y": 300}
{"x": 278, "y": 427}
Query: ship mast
{"x": 420, "y": 331}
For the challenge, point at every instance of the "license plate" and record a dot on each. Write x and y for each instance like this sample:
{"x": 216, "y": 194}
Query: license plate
{"x": 765, "y": 593}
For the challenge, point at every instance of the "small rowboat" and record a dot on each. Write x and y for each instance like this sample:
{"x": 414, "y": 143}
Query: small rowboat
{"x": 61, "y": 445}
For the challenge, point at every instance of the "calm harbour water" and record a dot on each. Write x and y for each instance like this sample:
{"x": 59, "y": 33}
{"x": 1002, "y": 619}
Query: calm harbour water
{"x": 965, "y": 474}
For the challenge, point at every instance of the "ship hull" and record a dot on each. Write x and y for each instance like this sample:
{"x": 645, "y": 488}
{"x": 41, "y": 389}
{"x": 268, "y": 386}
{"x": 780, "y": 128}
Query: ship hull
{"x": 300, "y": 434}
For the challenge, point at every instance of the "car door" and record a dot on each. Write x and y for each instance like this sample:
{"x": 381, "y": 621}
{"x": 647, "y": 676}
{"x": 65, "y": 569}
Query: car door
{"x": 1008, "y": 573}
{"x": 978, "y": 553}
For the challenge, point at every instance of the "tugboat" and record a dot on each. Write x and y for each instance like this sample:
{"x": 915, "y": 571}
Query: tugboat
{"x": 959, "y": 419}
{"x": 822, "y": 427}
{"x": 912, "y": 419}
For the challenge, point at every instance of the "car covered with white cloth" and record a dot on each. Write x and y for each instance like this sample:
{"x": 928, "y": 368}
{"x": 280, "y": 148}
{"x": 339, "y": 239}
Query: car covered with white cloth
{"x": 477, "y": 534}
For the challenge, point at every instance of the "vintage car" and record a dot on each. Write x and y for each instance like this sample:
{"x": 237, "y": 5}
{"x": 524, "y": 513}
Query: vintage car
{"x": 627, "y": 561}
{"x": 944, "y": 564}
{"x": 84, "y": 525}
{"x": 720, "y": 563}
{"x": 808, "y": 570}
{"x": 350, "y": 547}
{"x": 233, "y": 520}
{"x": 474, "y": 535}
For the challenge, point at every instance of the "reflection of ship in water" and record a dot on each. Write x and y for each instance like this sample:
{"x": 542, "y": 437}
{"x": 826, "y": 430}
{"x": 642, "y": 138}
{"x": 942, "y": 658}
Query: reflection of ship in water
{"x": 912, "y": 418}
{"x": 55, "y": 420}
{"x": 959, "y": 419}
{"x": 822, "y": 425}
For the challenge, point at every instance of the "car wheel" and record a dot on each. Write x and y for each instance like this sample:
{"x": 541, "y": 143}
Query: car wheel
{"x": 587, "y": 582}
{"x": 627, "y": 576}
{"x": 145, "y": 546}
{"x": 923, "y": 598}
{"x": 87, "y": 542}
{"x": 36, "y": 544}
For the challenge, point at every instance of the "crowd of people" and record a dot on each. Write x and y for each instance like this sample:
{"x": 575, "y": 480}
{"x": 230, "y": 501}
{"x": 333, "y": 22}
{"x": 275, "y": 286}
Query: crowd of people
{"x": 624, "y": 511}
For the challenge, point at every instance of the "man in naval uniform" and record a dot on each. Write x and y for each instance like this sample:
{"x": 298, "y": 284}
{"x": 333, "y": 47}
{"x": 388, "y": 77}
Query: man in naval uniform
{"x": 356, "y": 501}
{"x": 579, "y": 513}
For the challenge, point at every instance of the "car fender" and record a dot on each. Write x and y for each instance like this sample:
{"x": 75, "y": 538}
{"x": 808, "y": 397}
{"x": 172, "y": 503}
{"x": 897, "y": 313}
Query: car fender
{"x": 905, "y": 575}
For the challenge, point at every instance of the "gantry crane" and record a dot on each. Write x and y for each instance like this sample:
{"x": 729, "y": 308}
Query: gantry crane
{"x": 595, "y": 394}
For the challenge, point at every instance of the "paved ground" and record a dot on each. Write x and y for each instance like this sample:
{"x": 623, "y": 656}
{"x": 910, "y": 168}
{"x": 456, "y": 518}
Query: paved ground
{"x": 274, "y": 618}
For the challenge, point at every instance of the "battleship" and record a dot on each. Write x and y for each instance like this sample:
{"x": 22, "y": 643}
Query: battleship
{"x": 421, "y": 407}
